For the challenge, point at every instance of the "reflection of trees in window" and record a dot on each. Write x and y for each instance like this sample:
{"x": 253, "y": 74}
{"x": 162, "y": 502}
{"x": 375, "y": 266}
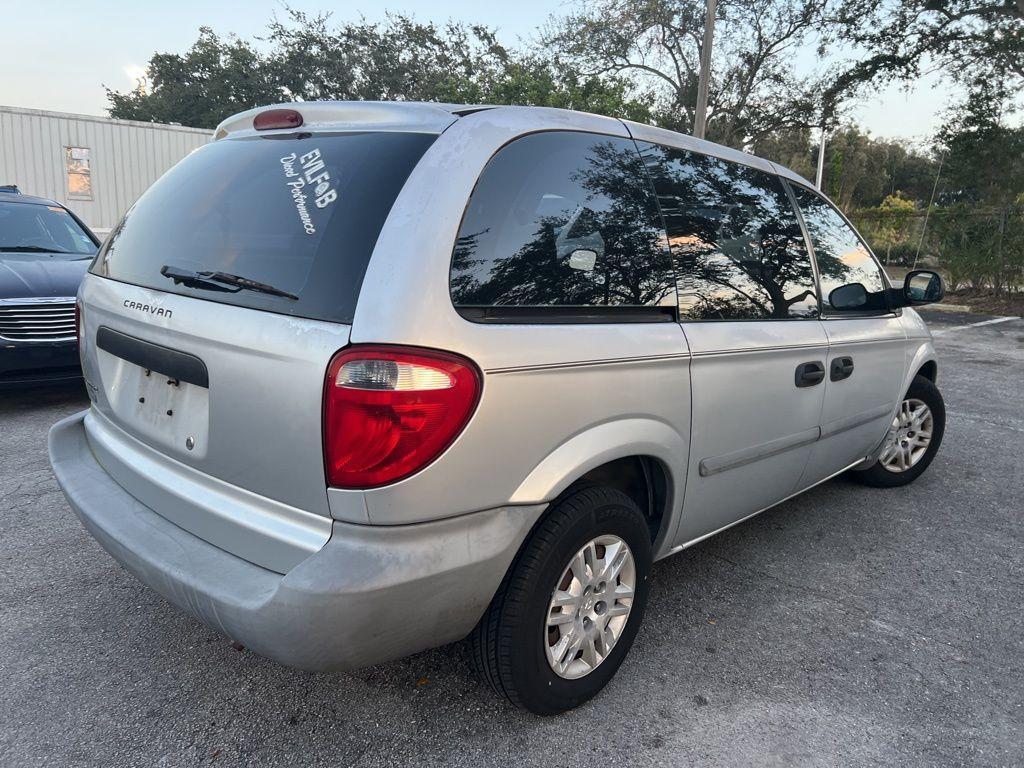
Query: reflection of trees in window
{"x": 607, "y": 208}
{"x": 738, "y": 247}
{"x": 841, "y": 255}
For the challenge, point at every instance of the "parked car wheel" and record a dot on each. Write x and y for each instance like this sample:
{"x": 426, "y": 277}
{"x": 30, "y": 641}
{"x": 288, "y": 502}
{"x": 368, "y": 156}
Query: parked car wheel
{"x": 913, "y": 439}
{"x": 569, "y": 609}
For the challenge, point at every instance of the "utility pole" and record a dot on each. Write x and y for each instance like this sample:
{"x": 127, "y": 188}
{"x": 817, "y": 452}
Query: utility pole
{"x": 701, "y": 114}
{"x": 821, "y": 157}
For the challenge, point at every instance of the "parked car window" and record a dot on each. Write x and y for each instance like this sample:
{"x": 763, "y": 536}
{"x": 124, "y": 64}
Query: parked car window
{"x": 738, "y": 247}
{"x": 48, "y": 231}
{"x": 299, "y": 212}
{"x": 843, "y": 258}
{"x": 563, "y": 219}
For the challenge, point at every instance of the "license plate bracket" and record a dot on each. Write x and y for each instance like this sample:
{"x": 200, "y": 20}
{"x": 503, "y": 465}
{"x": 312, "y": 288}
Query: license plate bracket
{"x": 168, "y": 408}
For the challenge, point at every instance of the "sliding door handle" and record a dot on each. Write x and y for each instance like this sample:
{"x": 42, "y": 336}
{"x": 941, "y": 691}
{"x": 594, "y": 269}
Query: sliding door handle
{"x": 809, "y": 374}
{"x": 841, "y": 368}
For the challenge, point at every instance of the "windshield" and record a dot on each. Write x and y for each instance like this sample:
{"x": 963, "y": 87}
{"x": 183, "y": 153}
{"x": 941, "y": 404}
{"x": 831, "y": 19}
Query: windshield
{"x": 297, "y": 214}
{"x": 45, "y": 230}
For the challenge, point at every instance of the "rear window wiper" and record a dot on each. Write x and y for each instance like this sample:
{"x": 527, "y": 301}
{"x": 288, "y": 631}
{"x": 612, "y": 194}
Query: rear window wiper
{"x": 216, "y": 281}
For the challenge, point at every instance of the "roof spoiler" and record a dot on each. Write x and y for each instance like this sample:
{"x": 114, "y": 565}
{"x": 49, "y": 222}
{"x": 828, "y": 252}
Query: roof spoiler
{"x": 12, "y": 188}
{"x": 351, "y": 116}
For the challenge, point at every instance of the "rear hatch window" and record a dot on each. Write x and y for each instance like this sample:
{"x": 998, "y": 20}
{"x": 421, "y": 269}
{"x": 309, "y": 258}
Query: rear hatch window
{"x": 297, "y": 213}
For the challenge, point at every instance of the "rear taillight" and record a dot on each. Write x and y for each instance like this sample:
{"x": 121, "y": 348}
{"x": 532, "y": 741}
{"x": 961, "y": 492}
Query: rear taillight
{"x": 390, "y": 411}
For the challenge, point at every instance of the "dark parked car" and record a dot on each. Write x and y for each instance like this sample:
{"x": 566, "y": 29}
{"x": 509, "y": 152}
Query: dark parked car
{"x": 44, "y": 253}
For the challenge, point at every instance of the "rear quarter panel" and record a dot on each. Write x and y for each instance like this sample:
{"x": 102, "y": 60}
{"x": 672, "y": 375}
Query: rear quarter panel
{"x": 556, "y": 398}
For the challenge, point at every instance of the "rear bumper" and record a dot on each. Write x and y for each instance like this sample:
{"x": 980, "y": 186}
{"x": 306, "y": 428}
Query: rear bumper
{"x": 369, "y": 595}
{"x": 25, "y": 363}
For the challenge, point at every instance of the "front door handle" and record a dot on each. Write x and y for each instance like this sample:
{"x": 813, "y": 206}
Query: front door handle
{"x": 809, "y": 374}
{"x": 841, "y": 368}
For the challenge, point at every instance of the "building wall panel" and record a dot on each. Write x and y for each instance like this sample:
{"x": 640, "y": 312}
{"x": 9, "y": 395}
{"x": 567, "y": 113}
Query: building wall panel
{"x": 125, "y": 158}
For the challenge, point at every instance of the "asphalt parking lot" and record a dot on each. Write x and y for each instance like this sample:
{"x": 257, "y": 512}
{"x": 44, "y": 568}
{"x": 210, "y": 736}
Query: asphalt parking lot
{"x": 849, "y": 626}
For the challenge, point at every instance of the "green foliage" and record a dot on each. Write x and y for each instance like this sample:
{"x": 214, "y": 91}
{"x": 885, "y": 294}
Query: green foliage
{"x": 969, "y": 40}
{"x": 215, "y": 78}
{"x": 966, "y": 242}
{"x": 755, "y": 90}
{"x": 897, "y": 207}
{"x": 984, "y": 155}
{"x": 308, "y": 58}
{"x": 982, "y": 233}
{"x": 891, "y": 228}
{"x": 860, "y": 171}
{"x": 796, "y": 148}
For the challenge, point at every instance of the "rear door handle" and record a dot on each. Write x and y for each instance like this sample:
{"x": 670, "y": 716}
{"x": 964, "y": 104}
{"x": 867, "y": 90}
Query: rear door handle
{"x": 809, "y": 374}
{"x": 841, "y": 368}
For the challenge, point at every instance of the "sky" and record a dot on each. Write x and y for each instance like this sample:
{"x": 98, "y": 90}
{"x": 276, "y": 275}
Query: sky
{"x": 59, "y": 55}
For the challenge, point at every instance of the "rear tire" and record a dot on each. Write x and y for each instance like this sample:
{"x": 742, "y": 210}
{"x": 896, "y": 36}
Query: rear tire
{"x": 593, "y": 529}
{"x": 898, "y": 463}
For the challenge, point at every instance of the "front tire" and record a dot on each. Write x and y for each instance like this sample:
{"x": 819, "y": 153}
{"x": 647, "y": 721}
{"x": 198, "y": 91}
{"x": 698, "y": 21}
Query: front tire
{"x": 569, "y": 609}
{"x": 913, "y": 439}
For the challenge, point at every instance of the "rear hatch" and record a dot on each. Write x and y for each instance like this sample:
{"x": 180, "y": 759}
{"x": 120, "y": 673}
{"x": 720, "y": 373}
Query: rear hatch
{"x": 210, "y": 316}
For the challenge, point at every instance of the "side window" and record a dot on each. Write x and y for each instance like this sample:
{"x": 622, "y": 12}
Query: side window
{"x": 563, "y": 219}
{"x": 739, "y": 250}
{"x": 843, "y": 259}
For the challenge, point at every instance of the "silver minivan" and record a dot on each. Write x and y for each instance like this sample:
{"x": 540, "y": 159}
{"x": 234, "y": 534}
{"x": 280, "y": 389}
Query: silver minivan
{"x": 368, "y": 378}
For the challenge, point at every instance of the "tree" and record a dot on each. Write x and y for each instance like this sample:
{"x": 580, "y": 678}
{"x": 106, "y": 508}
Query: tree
{"x": 967, "y": 39}
{"x": 656, "y": 43}
{"x": 536, "y": 81}
{"x": 890, "y": 227}
{"x": 984, "y": 155}
{"x": 215, "y": 78}
{"x": 307, "y": 58}
{"x": 983, "y": 179}
{"x": 861, "y": 171}
{"x": 400, "y": 58}
{"x": 795, "y": 148}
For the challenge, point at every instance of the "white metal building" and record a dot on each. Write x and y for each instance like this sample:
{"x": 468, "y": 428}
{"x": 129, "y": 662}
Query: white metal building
{"x": 95, "y": 166}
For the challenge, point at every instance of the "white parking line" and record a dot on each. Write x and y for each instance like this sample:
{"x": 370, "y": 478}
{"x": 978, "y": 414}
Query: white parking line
{"x": 975, "y": 325}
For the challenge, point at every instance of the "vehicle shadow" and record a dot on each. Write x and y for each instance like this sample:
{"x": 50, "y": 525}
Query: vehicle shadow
{"x": 49, "y": 396}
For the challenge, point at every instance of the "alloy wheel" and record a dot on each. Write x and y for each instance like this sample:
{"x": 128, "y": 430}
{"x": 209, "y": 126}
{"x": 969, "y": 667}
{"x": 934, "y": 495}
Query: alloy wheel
{"x": 909, "y": 436}
{"x": 589, "y": 607}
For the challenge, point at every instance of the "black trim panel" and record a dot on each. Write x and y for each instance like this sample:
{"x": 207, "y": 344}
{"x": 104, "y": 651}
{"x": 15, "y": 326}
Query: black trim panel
{"x": 145, "y": 354}
{"x": 590, "y": 363}
{"x": 567, "y": 315}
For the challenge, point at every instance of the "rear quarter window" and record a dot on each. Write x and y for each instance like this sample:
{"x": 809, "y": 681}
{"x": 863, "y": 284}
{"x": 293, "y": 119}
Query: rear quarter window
{"x": 299, "y": 212}
{"x": 563, "y": 220}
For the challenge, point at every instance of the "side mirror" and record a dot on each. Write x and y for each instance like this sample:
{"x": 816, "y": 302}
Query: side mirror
{"x": 848, "y": 297}
{"x": 922, "y": 286}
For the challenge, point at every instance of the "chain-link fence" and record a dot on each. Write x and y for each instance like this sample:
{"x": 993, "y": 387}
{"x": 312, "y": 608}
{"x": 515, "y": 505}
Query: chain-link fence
{"x": 976, "y": 249}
